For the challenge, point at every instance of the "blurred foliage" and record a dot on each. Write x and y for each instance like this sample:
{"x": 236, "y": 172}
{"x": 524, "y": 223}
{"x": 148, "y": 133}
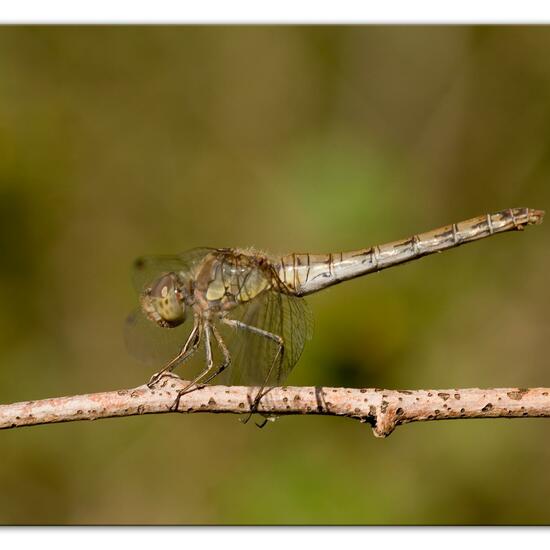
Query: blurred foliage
{"x": 122, "y": 141}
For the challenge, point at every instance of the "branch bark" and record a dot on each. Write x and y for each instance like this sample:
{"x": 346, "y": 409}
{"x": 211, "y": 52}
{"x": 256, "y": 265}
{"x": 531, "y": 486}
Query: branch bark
{"x": 384, "y": 410}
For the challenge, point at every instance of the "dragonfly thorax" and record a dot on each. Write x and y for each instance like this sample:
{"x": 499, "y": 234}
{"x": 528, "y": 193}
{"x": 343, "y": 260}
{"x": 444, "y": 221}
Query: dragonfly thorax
{"x": 226, "y": 281}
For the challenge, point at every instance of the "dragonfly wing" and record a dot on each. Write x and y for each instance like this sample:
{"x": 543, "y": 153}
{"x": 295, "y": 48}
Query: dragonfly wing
{"x": 148, "y": 268}
{"x": 256, "y": 359}
{"x": 151, "y": 344}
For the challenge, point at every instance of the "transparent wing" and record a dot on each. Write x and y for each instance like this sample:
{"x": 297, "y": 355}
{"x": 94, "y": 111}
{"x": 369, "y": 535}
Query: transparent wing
{"x": 151, "y": 344}
{"x": 256, "y": 359}
{"x": 148, "y": 268}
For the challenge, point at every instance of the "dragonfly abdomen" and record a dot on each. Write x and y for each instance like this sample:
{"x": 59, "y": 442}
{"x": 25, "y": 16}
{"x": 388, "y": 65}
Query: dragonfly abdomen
{"x": 306, "y": 273}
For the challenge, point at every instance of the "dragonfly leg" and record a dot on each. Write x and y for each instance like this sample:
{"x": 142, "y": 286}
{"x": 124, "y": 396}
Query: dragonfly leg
{"x": 239, "y": 324}
{"x": 278, "y": 357}
{"x": 224, "y": 350}
{"x": 262, "y": 391}
{"x": 209, "y": 367}
{"x": 221, "y": 368}
{"x": 187, "y": 350}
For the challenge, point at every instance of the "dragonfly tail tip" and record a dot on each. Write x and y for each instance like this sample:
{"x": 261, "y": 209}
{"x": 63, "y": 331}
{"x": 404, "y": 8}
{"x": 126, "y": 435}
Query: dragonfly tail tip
{"x": 536, "y": 216}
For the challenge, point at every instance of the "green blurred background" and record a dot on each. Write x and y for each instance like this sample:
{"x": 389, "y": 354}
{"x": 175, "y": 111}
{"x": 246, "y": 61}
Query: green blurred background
{"x": 122, "y": 141}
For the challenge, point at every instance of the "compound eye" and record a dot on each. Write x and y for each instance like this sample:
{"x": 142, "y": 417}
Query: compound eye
{"x": 163, "y": 286}
{"x": 167, "y": 301}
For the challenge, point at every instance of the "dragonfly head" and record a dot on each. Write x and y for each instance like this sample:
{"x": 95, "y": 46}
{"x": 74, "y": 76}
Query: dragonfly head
{"x": 163, "y": 301}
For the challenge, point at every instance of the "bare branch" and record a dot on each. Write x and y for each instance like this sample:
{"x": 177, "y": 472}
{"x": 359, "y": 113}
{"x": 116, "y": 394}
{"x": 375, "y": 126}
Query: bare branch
{"x": 382, "y": 409}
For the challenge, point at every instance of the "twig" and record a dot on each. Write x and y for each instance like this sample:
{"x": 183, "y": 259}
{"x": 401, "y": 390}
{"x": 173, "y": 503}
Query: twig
{"x": 382, "y": 409}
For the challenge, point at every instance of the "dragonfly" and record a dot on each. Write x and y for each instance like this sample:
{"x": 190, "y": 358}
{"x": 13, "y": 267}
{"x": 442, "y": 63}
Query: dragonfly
{"x": 244, "y": 310}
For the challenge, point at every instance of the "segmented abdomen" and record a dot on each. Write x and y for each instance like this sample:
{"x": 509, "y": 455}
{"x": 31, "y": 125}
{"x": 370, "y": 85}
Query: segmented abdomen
{"x": 306, "y": 273}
